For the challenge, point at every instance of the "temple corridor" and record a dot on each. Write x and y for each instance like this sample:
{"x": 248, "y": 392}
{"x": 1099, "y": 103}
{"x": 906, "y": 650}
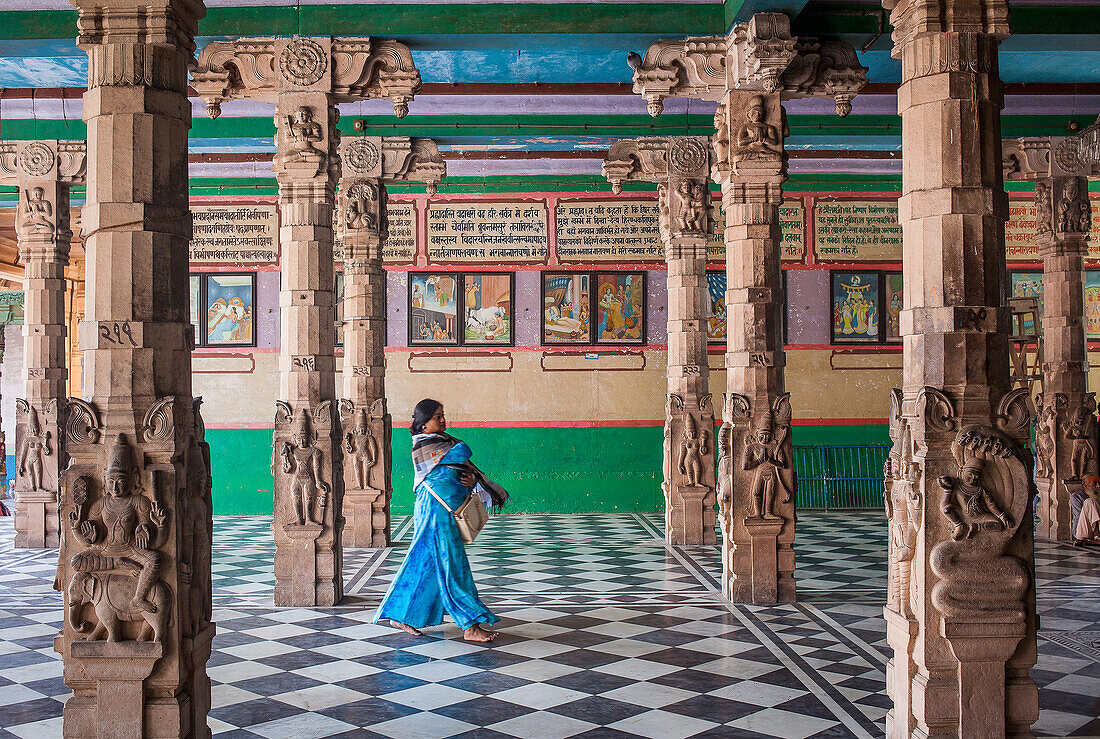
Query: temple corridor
{"x": 607, "y": 631}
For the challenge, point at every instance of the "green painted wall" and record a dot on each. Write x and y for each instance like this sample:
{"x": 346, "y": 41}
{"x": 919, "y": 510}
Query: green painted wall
{"x": 547, "y": 470}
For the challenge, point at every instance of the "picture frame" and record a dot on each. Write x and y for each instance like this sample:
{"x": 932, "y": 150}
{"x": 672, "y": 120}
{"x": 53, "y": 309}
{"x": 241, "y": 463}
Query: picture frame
{"x": 855, "y": 307}
{"x": 1092, "y": 304}
{"x": 893, "y": 301}
{"x": 434, "y": 308}
{"x": 566, "y": 308}
{"x": 1029, "y": 284}
{"x": 593, "y": 308}
{"x": 488, "y": 309}
{"x": 716, "y": 307}
{"x": 229, "y": 307}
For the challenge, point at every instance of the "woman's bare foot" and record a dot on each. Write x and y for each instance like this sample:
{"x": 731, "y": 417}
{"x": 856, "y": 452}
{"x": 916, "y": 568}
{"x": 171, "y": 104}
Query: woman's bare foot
{"x": 406, "y": 628}
{"x": 479, "y": 634}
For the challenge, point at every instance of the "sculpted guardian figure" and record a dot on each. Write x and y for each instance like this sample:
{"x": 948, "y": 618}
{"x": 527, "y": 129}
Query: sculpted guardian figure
{"x": 903, "y": 510}
{"x": 361, "y": 448}
{"x": 35, "y": 445}
{"x": 131, "y": 528}
{"x": 765, "y": 454}
{"x": 304, "y": 460}
{"x": 691, "y": 213}
{"x": 359, "y": 212}
{"x": 693, "y": 445}
{"x": 1080, "y": 430}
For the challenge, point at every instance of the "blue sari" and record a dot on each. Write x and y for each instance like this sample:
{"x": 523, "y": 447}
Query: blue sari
{"x": 435, "y": 577}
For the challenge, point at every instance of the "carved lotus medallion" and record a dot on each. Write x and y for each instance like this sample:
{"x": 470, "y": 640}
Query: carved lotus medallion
{"x": 36, "y": 159}
{"x": 687, "y": 155}
{"x": 362, "y": 156}
{"x": 303, "y": 62}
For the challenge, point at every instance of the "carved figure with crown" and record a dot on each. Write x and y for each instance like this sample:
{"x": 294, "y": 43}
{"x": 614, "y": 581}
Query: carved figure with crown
{"x": 303, "y": 459}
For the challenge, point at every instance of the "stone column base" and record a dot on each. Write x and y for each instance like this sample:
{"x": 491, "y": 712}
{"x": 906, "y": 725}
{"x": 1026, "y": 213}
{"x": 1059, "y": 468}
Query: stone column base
{"x": 119, "y": 708}
{"x": 36, "y": 524}
{"x": 982, "y": 648}
{"x": 365, "y": 518}
{"x": 690, "y": 520}
{"x": 901, "y": 633}
{"x": 756, "y": 571}
{"x": 305, "y": 587}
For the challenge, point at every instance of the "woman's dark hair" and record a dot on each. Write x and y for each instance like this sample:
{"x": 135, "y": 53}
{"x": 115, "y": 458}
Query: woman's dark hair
{"x": 423, "y": 413}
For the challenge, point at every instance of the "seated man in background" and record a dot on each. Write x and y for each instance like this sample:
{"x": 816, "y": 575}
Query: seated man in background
{"x": 1086, "y": 513}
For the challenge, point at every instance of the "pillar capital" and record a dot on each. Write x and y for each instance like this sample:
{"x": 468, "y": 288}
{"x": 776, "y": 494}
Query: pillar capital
{"x": 759, "y": 55}
{"x": 349, "y": 68}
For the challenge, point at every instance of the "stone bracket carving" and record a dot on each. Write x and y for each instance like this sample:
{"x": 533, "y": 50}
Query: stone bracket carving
{"x": 353, "y": 68}
{"x": 759, "y": 54}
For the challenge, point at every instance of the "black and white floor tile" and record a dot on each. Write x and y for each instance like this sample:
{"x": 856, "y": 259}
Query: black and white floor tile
{"x": 607, "y": 632}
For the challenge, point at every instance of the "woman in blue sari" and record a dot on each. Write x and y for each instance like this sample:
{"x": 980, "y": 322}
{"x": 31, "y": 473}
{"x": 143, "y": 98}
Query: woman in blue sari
{"x": 435, "y": 577}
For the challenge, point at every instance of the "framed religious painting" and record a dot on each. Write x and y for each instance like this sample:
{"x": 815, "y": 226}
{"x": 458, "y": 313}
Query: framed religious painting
{"x": 620, "y": 308}
{"x": 338, "y": 298}
{"x": 566, "y": 308}
{"x": 488, "y": 313}
{"x": 856, "y": 307}
{"x": 433, "y": 309}
{"x": 195, "y": 293}
{"x": 1092, "y": 304}
{"x": 892, "y": 302}
{"x": 716, "y": 307}
{"x": 1030, "y": 285}
{"x": 230, "y": 309}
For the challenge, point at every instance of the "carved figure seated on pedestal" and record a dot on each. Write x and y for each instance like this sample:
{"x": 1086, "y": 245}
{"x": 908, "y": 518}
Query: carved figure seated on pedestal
{"x": 133, "y": 528}
{"x": 304, "y": 460}
{"x": 36, "y": 214}
{"x": 35, "y": 446}
{"x": 968, "y": 504}
{"x": 765, "y": 454}
{"x": 361, "y": 448}
{"x": 693, "y": 446}
{"x": 757, "y": 136}
{"x": 302, "y": 135}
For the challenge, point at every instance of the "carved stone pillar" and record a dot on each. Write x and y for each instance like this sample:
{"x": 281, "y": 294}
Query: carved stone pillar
{"x": 134, "y": 563}
{"x": 43, "y": 171}
{"x": 306, "y": 459}
{"x": 1065, "y": 426}
{"x": 680, "y": 167}
{"x": 748, "y": 73}
{"x": 757, "y": 458}
{"x": 308, "y": 77}
{"x": 367, "y": 164}
{"x": 961, "y": 612}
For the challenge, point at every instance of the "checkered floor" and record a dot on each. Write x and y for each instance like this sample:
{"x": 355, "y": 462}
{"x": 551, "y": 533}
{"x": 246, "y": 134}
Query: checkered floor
{"x": 608, "y": 632}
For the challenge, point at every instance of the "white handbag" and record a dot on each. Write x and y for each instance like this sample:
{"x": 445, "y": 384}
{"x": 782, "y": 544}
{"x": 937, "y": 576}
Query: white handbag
{"x": 470, "y": 517}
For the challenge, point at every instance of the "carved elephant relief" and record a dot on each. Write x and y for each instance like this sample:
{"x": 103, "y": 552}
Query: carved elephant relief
{"x": 110, "y": 596}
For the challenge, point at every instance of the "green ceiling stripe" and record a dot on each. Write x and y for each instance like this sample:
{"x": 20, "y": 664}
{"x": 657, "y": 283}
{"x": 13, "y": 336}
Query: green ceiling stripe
{"x": 676, "y": 19}
{"x": 546, "y": 125}
{"x": 670, "y": 19}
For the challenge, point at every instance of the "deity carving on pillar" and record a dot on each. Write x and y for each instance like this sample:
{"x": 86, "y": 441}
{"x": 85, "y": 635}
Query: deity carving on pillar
{"x": 361, "y": 206}
{"x": 767, "y": 456}
{"x": 34, "y": 446}
{"x": 692, "y": 206}
{"x": 304, "y": 460}
{"x": 1044, "y": 212}
{"x": 1074, "y": 210}
{"x": 756, "y": 136}
{"x": 968, "y": 504}
{"x": 304, "y": 137}
{"x": 904, "y": 509}
{"x": 361, "y": 449}
{"x": 1046, "y": 430}
{"x": 36, "y": 213}
{"x": 1080, "y": 429}
{"x": 119, "y": 571}
{"x": 693, "y": 448}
